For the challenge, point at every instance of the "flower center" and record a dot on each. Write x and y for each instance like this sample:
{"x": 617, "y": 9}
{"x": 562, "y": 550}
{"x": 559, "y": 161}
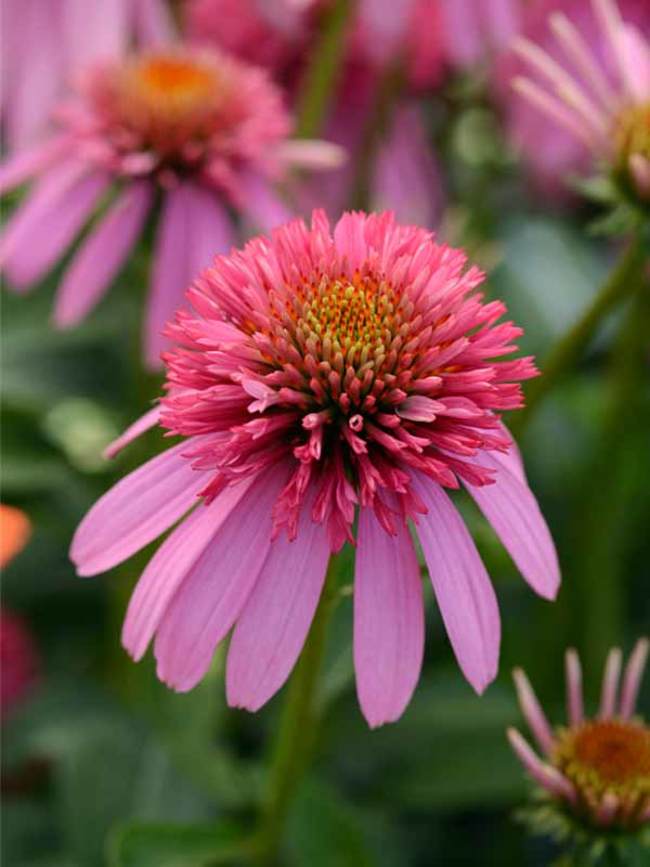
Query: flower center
{"x": 168, "y": 100}
{"x": 632, "y": 132}
{"x": 353, "y": 320}
{"x": 602, "y": 756}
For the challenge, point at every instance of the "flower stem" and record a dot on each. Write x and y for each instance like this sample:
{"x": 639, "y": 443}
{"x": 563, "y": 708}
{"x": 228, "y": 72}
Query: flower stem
{"x": 323, "y": 73}
{"x": 297, "y": 732}
{"x": 621, "y": 283}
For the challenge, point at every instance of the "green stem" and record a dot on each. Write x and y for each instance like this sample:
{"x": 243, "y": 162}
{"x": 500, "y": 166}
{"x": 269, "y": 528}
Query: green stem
{"x": 324, "y": 71}
{"x": 621, "y": 283}
{"x": 297, "y": 732}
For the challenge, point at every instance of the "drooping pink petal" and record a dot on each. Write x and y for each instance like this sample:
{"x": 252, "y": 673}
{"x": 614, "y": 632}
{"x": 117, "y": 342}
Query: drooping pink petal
{"x": 388, "y": 620}
{"x": 546, "y": 775}
{"x": 26, "y": 163}
{"x": 311, "y": 154}
{"x": 217, "y": 586}
{"x": 635, "y": 57}
{"x": 385, "y": 24}
{"x": 406, "y": 177}
{"x": 101, "y": 255}
{"x": 511, "y": 508}
{"x": 632, "y": 677}
{"x": 135, "y": 511}
{"x": 608, "y": 695}
{"x": 461, "y": 585}
{"x": 170, "y": 564}
{"x": 574, "y": 687}
{"x": 261, "y": 204}
{"x": 144, "y": 423}
{"x": 274, "y": 624}
{"x": 46, "y": 237}
{"x": 462, "y": 31}
{"x": 193, "y": 228}
{"x": 532, "y": 710}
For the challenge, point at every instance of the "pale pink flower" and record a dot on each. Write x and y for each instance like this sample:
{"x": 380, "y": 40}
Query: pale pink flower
{"x": 323, "y": 375}
{"x": 583, "y": 79}
{"x": 205, "y": 130}
{"x": 45, "y": 44}
{"x": 475, "y": 30}
{"x": 598, "y": 767}
{"x": 19, "y": 661}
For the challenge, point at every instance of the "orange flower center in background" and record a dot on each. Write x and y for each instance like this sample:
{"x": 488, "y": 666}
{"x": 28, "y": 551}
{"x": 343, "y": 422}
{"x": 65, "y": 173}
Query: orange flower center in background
{"x": 169, "y": 100}
{"x": 632, "y": 132}
{"x": 15, "y": 530}
{"x": 607, "y": 756}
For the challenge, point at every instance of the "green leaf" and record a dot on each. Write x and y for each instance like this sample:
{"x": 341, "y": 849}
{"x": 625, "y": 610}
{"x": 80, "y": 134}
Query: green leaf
{"x": 159, "y": 845}
{"x": 325, "y": 831}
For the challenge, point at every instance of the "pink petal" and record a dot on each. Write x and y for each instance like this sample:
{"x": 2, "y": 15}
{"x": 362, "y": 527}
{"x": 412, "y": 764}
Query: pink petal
{"x": 462, "y": 587}
{"x": 311, "y": 154}
{"x": 385, "y": 25}
{"x": 136, "y": 510}
{"x": 262, "y": 205}
{"x": 574, "y": 687}
{"x": 532, "y": 710}
{"x": 27, "y": 163}
{"x": 635, "y": 56}
{"x": 406, "y": 177}
{"x": 511, "y": 508}
{"x": 217, "y": 586}
{"x": 170, "y": 564}
{"x": 45, "y": 237}
{"x": 547, "y": 776}
{"x": 101, "y": 255}
{"x": 274, "y": 624}
{"x": 94, "y": 31}
{"x": 462, "y": 31}
{"x": 610, "y": 683}
{"x": 388, "y": 620}
{"x": 193, "y": 229}
{"x": 632, "y": 678}
{"x": 153, "y": 22}
{"x": 142, "y": 425}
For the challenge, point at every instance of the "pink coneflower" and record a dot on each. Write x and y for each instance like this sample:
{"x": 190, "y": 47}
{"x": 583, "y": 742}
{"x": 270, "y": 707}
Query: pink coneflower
{"x": 44, "y": 45}
{"x": 588, "y": 72}
{"x": 599, "y": 768}
{"x": 323, "y": 375}
{"x": 205, "y": 130}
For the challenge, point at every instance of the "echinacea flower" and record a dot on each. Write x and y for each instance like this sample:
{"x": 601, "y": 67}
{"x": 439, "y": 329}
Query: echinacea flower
{"x": 593, "y": 81}
{"x": 205, "y": 131}
{"x": 44, "y": 45}
{"x": 19, "y": 661}
{"x": 597, "y": 768}
{"x": 324, "y": 376}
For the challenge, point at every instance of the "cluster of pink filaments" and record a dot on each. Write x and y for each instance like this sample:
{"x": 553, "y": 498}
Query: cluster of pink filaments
{"x": 177, "y": 112}
{"x": 365, "y": 354}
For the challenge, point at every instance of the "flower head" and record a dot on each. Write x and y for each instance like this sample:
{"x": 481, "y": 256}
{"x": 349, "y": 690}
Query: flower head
{"x": 599, "y": 93}
{"x": 600, "y": 767}
{"x": 205, "y": 129}
{"x": 322, "y": 375}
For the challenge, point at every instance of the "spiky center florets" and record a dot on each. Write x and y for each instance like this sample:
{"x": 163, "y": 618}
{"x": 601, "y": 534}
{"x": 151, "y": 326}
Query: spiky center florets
{"x": 360, "y": 357}
{"x": 632, "y": 132}
{"x": 608, "y": 759}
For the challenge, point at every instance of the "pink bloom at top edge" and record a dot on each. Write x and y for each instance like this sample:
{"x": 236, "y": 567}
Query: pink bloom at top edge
{"x": 404, "y": 175}
{"x": 599, "y": 767}
{"x": 206, "y": 131}
{"x": 582, "y": 77}
{"x": 44, "y": 45}
{"x": 322, "y": 374}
